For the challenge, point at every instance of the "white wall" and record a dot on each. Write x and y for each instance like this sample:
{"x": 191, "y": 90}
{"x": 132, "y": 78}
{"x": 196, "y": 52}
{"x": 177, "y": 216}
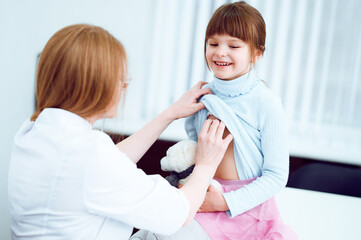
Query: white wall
{"x": 24, "y": 29}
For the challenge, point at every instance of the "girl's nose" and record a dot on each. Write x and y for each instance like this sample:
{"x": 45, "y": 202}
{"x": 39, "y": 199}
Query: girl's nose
{"x": 221, "y": 52}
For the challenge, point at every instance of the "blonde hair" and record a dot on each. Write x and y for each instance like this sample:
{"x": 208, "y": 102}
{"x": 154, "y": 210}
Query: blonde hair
{"x": 81, "y": 69}
{"x": 238, "y": 20}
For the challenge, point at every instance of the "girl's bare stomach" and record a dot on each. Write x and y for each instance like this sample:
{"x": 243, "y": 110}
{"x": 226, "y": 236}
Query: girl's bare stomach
{"x": 227, "y": 168}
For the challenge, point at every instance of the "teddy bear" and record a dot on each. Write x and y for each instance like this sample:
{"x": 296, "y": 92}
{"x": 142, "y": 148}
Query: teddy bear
{"x": 180, "y": 161}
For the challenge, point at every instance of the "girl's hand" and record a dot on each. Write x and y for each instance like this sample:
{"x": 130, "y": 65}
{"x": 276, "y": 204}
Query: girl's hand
{"x": 187, "y": 104}
{"x": 214, "y": 201}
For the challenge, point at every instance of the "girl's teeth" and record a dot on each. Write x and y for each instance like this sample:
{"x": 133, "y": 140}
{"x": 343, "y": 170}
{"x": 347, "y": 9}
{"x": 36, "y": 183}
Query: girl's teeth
{"x": 223, "y": 64}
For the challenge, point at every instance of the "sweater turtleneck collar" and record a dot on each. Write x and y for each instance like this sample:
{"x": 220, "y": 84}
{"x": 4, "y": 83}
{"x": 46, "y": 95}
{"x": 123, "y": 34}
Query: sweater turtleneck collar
{"x": 237, "y": 86}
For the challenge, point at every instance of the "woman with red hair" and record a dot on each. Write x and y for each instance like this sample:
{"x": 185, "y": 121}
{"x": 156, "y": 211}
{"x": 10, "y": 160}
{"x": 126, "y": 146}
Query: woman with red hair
{"x": 68, "y": 181}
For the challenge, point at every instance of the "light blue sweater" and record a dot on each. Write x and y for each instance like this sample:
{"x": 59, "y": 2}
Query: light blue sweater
{"x": 254, "y": 116}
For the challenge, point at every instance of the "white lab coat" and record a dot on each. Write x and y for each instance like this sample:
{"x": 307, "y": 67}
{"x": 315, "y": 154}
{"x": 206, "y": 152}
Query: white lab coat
{"x": 67, "y": 181}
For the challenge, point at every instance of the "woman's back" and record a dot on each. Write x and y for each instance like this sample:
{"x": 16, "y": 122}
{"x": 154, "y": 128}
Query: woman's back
{"x": 67, "y": 181}
{"x": 46, "y": 178}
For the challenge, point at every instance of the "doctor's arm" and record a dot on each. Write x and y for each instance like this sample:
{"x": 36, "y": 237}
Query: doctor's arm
{"x": 114, "y": 187}
{"x": 210, "y": 151}
{"x": 137, "y": 144}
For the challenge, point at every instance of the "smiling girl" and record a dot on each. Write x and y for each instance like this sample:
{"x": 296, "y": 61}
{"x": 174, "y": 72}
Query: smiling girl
{"x": 256, "y": 163}
{"x": 229, "y": 57}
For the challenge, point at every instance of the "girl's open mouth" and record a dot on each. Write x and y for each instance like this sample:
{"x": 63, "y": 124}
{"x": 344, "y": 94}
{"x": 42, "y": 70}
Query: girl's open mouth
{"x": 222, "y": 63}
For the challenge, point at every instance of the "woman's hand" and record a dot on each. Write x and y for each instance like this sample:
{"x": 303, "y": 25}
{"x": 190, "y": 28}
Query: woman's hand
{"x": 187, "y": 104}
{"x": 214, "y": 201}
{"x": 210, "y": 151}
{"x": 137, "y": 144}
{"x": 211, "y": 145}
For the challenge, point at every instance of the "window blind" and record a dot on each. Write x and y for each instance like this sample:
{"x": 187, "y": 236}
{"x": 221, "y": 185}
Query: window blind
{"x": 312, "y": 61}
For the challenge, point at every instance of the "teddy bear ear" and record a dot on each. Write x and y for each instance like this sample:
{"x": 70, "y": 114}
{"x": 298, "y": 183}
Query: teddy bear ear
{"x": 164, "y": 164}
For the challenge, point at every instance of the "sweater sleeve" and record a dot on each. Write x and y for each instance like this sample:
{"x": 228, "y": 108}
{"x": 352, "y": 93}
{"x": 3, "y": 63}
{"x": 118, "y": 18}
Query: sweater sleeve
{"x": 190, "y": 127}
{"x": 275, "y": 163}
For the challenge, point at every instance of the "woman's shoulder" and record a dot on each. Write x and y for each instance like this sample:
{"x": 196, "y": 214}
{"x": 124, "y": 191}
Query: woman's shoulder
{"x": 100, "y": 137}
{"x": 104, "y": 153}
{"x": 102, "y": 144}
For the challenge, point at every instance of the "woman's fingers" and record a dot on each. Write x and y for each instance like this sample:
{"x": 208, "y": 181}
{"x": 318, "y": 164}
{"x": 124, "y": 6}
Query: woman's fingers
{"x": 228, "y": 139}
{"x": 199, "y": 91}
{"x": 211, "y": 145}
{"x": 204, "y": 91}
{"x": 199, "y": 106}
{"x": 205, "y": 128}
{"x": 188, "y": 103}
{"x": 220, "y": 130}
{"x": 214, "y": 127}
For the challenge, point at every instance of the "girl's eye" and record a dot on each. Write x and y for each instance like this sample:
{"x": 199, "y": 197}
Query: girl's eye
{"x": 213, "y": 44}
{"x": 234, "y": 46}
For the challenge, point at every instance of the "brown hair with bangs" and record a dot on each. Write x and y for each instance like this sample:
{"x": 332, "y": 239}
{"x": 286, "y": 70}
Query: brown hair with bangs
{"x": 81, "y": 69}
{"x": 239, "y": 20}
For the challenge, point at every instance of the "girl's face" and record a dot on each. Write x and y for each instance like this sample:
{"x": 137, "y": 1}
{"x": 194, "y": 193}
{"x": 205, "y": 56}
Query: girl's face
{"x": 228, "y": 57}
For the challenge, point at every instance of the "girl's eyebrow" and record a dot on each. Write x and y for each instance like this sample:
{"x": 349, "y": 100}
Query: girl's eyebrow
{"x": 230, "y": 41}
{"x": 235, "y": 40}
{"x": 240, "y": 42}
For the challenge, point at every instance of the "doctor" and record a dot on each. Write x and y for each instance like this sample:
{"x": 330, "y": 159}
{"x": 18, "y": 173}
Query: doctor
{"x": 68, "y": 181}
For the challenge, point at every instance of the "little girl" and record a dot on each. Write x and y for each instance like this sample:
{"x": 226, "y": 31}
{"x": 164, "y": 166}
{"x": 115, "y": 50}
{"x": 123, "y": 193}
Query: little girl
{"x": 255, "y": 165}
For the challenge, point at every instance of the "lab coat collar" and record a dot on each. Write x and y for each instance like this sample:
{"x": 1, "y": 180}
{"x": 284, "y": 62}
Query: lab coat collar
{"x": 57, "y": 116}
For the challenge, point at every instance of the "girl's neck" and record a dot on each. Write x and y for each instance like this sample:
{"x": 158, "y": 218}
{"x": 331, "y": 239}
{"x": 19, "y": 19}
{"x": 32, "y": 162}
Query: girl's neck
{"x": 237, "y": 86}
{"x": 238, "y": 76}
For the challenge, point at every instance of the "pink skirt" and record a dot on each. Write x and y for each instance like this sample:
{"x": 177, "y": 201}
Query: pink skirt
{"x": 262, "y": 222}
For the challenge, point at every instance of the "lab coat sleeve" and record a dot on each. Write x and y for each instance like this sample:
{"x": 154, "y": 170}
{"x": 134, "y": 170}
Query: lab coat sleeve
{"x": 114, "y": 187}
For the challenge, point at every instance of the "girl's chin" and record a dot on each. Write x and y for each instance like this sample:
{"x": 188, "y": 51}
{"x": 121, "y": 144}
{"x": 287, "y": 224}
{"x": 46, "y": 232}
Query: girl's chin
{"x": 223, "y": 77}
